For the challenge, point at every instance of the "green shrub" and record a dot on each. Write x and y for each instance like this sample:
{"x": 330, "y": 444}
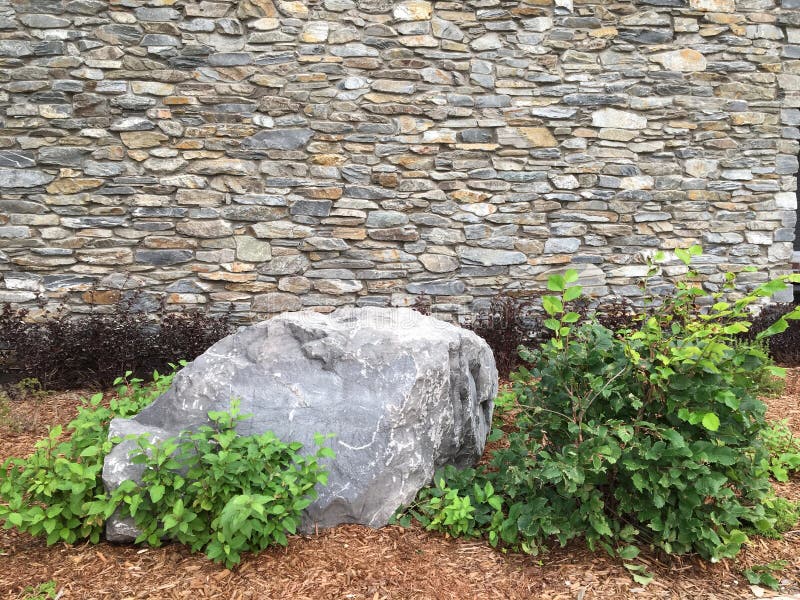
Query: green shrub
{"x": 220, "y": 492}
{"x": 43, "y": 591}
{"x": 783, "y": 450}
{"x": 764, "y": 574}
{"x": 210, "y": 489}
{"x": 645, "y": 437}
{"x": 58, "y": 491}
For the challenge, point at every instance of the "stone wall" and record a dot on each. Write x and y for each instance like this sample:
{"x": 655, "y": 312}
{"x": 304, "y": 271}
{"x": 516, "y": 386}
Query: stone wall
{"x": 265, "y": 156}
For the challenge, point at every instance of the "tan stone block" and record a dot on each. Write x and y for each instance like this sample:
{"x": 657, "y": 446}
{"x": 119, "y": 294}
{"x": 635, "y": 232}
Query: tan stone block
{"x": 230, "y": 277}
{"x": 604, "y": 32}
{"x": 154, "y": 88}
{"x": 711, "y": 31}
{"x": 179, "y": 100}
{"x": 349, "y": 233}
{"x": 439, "y": 136}
{"x": 485, "y": 147}
{"x": 73, "y": 186}
{"x": 748, "y": 118}
{"x": 143, "y": 139}
{"x": 315, "y": 32}
{"x": 297, "y": 10}
{"x": 540, "y": 137}
{"x": 189, "y": 145}
{"x": 412, "y": 10}
{"x": 169, "y": 242}
{"x": 254, "y": 287}
{"x": 582, "y": 132}
{"x": 255, "y": 8}
{"x": 294, "y": 285}
{"x": 101, "y": 296}
{"x": 322, "y": 193}
{"x": 470, "y": 196}
{"x": 389, "y": 180}
{"x": 685, "y": 60}
{"x": 328, "y": 160}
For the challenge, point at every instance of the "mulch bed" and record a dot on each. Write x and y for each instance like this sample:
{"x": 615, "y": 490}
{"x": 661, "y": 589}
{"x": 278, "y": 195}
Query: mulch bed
{"x": 354, "y": 562}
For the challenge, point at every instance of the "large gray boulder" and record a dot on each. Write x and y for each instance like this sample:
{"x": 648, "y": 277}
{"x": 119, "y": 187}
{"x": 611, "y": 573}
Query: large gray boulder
{"x": 403, "y": 394}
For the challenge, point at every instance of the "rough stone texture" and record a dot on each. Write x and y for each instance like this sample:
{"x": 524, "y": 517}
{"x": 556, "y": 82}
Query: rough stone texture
{"x": 403, "y": 394}
{"x": 450, "y": 148}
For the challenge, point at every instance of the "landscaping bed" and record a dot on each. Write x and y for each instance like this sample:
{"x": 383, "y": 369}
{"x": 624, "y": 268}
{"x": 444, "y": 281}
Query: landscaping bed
{"x": 357, "y": 562}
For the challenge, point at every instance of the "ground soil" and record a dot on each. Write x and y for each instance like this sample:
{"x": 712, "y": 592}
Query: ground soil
{"x": 353, "y": 562}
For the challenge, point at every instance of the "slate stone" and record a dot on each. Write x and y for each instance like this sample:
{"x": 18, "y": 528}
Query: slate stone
{"x": 16, "y": 48}
{"x": 595, "y": 99}
{"x": 314, "y": 208}
{"x": 489, "y": 257}
{"x": 445, "y": 287}
{"x": 17, "y": 159}
{"x": 386, "y": 218}
{"x": 367, "y": 192}
{"x": 14, "y": 232}
{"x": 424, "y": 389}
{"x": 23, "y": 178}
{"x": 278, "y": 139}
{"x": 62, "y": 156}
{"x": 163, "y": 258}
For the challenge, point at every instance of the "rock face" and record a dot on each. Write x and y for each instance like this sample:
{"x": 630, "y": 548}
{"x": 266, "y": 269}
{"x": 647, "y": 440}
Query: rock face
{"x": 402, "y": 393}
{"x": 386, "y": 132}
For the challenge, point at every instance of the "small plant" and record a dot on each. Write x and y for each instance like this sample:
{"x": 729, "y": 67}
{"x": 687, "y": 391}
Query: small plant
{"x": 763, "y": 574}
{"x": 58, "y": 491}
{"x": 783, "y": 515}
{"x": 220, "y": 492}
{"x": 460, "y": 504}
{"x": 509, "y": 322}
{"x": 783, "y": 450}
{"x": 43, "y": 591}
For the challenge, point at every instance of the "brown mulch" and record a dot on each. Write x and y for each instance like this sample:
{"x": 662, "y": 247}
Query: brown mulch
{"x": 354, "y": 562}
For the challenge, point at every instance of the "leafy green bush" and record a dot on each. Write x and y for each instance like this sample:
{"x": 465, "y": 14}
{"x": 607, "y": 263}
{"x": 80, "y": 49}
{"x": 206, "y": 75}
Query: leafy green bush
{"x": 645, "y": 437}
{"x": 210, "y": 489}
{"x": 764, "y": 574}
{"x": 58, "y": 490}
{"x": 43, "y": 591}
{"x": 217, "y": 491}
{"x": 783, "y": 450}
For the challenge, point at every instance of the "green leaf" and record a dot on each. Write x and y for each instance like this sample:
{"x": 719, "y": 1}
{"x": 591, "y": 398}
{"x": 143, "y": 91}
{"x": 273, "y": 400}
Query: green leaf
{"x": 778, "y": 326}
{"x": 628, "y": 552}
{"x": 156, "y": 492}
{"x": 552, "y": 305}
{"x": 553, "y": 324}
{"x": 572, "y": 293}
{"x": 683, "y": 255}
{"x": 710, "y": 421}
{"x": 556, "y": 283}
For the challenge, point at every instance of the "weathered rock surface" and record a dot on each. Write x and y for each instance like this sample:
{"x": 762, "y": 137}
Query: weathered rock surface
{"x": 402, "y": 393}
{"x": 487, "y": 143}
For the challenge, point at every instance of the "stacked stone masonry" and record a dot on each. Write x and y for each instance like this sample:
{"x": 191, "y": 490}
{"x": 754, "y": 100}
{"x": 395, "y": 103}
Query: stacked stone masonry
{"x": 260, "y": 156}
